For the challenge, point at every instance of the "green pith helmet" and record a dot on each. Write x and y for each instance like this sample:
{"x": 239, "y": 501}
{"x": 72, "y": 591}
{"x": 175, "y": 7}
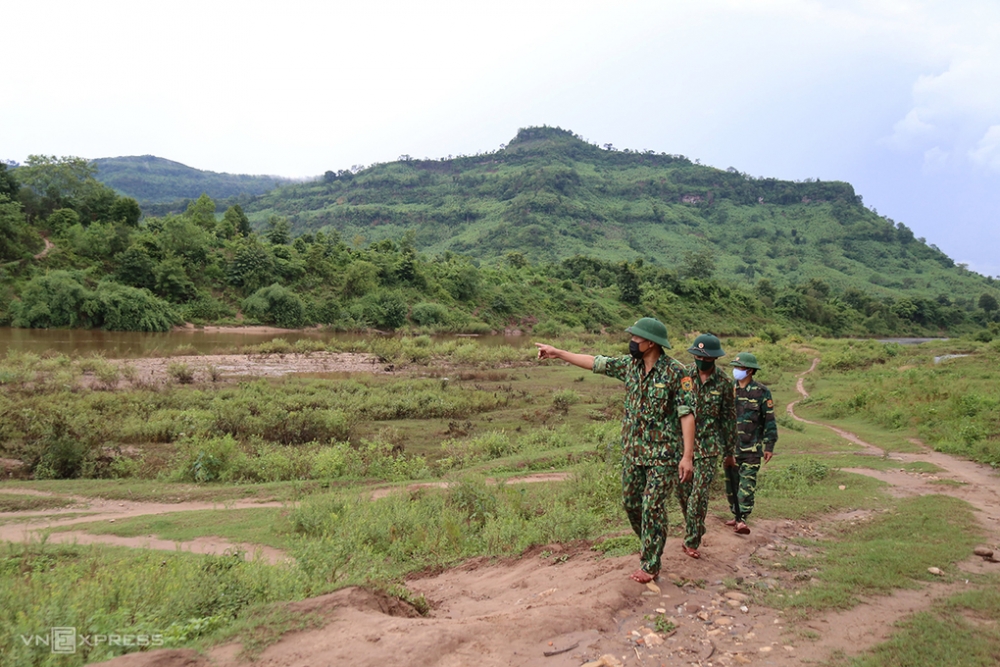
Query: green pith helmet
{"x": 651, "y": 329}
{"x": 706, "y": 345}
{"x": 745, "y": 360}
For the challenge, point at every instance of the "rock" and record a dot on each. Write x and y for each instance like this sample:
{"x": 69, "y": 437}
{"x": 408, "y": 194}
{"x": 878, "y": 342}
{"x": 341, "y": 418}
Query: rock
{"x": 604, "y": 661}
{"x": 703, "y": 615}
{"x": 983, "y": 551}
{"x": 842, "y": 487}
{"x": 764, "y": 649}
{"x": 724, "y": 620}
{"x": 745, "y": 609}
{"x": 935, "y": 571}
{"x": 736, "y": 595}
{"x": 733, "y": 603}
{"x": 653, "y": 587}
{"x": 111, "y": 520}
{"x": 661, "y": 610}
{"x": 653, "y": 639}
{"x": 788, "y": 648}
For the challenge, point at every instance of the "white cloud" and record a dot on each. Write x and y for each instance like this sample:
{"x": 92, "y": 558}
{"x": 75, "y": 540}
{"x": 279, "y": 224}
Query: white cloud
{"x": 987, "y": 151}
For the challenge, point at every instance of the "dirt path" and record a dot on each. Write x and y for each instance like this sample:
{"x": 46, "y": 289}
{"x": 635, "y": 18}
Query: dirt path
{"x": 49, "y": 245}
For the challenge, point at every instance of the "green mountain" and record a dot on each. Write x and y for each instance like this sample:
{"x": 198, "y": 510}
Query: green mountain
{"x": 154, "y": 180}
{"x": 551, "y": 196}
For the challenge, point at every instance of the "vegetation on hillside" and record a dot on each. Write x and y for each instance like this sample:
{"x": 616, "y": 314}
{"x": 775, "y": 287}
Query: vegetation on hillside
{"x": 551, "y": 196}
{"x": 112, "y": 268}
{"x": 155, "y": 181}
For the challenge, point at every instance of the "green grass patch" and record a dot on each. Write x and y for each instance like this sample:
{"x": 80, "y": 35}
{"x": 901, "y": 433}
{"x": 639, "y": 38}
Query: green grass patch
{"x": 892, "y": 550}
{"x": 960, "y": 631}
{"x": 21, "y": 502}
{"x": 267, "y": 525}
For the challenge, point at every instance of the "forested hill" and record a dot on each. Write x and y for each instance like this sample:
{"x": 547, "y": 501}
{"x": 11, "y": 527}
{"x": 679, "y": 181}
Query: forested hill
{"x": 551, "y": 196}
{"x": 154, "y": 180}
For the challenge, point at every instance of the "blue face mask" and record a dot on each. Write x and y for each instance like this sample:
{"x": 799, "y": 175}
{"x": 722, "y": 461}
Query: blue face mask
{"x": 739, "y": 374}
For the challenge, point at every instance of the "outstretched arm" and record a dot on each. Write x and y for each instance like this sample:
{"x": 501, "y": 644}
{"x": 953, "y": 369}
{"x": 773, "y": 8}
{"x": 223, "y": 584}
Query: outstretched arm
{"x": 549, "y": 352}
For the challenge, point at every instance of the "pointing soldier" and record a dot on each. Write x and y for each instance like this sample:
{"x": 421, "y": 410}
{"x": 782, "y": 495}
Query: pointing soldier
{"x": 757, "y": 432}
{"x": 657, "y": 431}
{"x": 715, "y": 435}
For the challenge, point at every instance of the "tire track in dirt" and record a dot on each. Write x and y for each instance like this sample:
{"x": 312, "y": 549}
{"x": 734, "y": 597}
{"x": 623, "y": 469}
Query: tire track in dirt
{"x": 35, "y": 525}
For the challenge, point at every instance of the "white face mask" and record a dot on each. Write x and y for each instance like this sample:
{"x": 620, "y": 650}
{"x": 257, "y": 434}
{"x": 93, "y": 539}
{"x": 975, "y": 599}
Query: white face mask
{"x": 739, "y": 374}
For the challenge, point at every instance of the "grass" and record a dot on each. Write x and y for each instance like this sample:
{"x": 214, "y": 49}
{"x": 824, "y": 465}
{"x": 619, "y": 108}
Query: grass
{"x": 267, "y": 526}
{"x": 20, "y": 502}
{"x": 891, "y": 550}
{"x": 960, "y": 631}
{"x": 462, "y": 423}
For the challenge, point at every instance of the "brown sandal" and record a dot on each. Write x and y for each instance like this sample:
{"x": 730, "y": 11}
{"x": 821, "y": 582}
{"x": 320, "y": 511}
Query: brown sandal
{"x": 741, "y": 529}
{"x": 693, "y": 553}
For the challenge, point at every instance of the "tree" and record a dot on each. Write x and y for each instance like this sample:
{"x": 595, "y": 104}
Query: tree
{"x": 234, "y": 218}
{"x": 252, "y": 266}
{"x": 202, "y": 212}
{"x": 126, "y": 210}
{"x": 279, "y": 230}
{"x": 8, "y": 184}
{"x": 988, "y": 303}
{"x": 628, "y": 285}
{"x": 698, "y": 264}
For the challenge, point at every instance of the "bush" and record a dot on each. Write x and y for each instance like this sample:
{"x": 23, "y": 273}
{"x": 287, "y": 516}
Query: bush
{"x": 180, "y": 372}
{"x": 122, "y": 308}
{"x": 53, "y": 300}
{"x": 427, "y": 314}
{"x": 275, "y": 305}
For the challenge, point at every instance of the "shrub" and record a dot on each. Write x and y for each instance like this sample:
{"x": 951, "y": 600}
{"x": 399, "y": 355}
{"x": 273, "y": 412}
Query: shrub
{"x": 180, "y": 372}
{"x": 275, "y": 305}
{"x": 119, "y": 307}
{"x": 427, "y": 314}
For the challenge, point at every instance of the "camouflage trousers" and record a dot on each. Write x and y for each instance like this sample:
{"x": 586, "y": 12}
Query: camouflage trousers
{"x": 645, "y": 490}
{"x": 741, "y": 485}
{"x": 693, "y": 498}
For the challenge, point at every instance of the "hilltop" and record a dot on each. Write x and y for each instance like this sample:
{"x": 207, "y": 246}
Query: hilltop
{"x": 550, "y": 196}
{"x": 155, "y": 180}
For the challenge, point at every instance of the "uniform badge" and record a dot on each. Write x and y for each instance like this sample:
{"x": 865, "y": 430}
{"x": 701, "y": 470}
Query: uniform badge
{"x": 770, "y": 403}
{"x": 687, "y": 384}
{"x": 659, "y": 385}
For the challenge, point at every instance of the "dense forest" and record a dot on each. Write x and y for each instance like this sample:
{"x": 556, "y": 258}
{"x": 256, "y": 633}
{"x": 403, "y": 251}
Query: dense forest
{"x": 102, "y": 263}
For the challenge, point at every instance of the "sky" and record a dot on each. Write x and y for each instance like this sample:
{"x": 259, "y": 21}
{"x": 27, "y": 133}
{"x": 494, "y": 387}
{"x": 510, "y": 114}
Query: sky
{"x": 900, "y": 98}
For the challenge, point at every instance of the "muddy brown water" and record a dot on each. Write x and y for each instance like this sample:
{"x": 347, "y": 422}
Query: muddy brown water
{"x": 129, "y": 344}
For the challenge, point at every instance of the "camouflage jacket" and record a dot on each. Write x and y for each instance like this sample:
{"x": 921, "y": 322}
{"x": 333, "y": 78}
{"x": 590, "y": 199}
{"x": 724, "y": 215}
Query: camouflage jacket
{"x": 715, "y": 414}
{"x": 755, "y": 421}
{"x": 654, "y": 404}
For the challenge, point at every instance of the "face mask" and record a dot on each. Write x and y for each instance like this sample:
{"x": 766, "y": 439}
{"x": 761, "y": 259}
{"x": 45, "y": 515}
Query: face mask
{"x": 633, "y": 349}
{"x": 739, "y": 374}
{"x": 704, "y": 365}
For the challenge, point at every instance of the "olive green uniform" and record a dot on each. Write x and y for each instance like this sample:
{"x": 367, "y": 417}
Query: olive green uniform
{"x": 652, "y": 444}
{"x": 758, "y": 432}
{"x": 715, "y": 436}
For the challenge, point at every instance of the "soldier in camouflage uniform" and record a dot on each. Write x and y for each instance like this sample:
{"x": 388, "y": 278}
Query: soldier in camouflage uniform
{"x": 715, "y": 435}
{"x": 657, "y": 431}
{"x": 757, "y": 433}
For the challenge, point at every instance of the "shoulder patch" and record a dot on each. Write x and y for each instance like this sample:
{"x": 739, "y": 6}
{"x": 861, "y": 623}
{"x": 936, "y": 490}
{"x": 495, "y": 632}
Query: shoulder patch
{"x": 770, "y": 403}
{"x": 659, "y": 385}
{"x": 687, "y": 384}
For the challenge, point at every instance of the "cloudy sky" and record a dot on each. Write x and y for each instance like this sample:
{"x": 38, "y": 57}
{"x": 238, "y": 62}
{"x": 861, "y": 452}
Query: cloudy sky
{"x": 901, "y": 98}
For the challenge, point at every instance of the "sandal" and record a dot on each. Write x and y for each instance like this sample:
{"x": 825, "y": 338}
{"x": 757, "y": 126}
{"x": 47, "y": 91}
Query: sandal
{"x": 731, "y": 522}
{"x": 693, "y": 553}
{"x": 741, "y": 529}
